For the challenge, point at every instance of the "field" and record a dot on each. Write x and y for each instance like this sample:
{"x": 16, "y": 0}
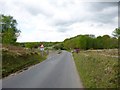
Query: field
{"x": 98, "y": 68}
{"x": 16, "y": 58}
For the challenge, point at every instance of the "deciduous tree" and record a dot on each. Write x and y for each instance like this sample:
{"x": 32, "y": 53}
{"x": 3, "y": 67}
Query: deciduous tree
{"x": 9, "y": 30}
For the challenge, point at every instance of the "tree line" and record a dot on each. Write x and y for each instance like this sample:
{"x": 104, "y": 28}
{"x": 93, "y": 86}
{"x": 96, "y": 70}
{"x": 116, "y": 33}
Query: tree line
{"x": 91, "y": 42}
{"x": 32, "y": 45}
{"x": 86, "y": 42}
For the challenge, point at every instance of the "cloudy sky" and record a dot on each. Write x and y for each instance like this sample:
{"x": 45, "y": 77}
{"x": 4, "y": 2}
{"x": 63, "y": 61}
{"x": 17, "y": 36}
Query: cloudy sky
{"x": 56, "y": 20}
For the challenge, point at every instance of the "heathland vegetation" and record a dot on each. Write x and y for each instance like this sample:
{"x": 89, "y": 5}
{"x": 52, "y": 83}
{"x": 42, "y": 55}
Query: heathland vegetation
{"x": 98, "y": 68}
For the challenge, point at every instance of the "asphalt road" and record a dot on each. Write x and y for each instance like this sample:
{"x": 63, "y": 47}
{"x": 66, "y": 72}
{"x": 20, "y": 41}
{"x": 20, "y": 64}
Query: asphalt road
{"x": 58, "y": 71}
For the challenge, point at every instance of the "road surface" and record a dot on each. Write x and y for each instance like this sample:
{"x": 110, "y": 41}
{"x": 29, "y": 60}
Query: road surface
{"x": 58, "y": 71}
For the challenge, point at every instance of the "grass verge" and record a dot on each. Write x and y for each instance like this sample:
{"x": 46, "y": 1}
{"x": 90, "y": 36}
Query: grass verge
{"x": 14, "y": 61}
{"x": 97, "y": 70}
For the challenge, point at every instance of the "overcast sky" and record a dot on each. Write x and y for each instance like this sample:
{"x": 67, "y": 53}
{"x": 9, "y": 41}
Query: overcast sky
{"x": 56, "y": 20}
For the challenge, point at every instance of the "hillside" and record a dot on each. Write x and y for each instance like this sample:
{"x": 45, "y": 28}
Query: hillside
{"x": 15, "y": 58}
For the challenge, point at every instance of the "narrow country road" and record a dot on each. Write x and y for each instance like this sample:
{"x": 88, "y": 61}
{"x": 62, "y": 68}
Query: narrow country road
{"x": 58, "y": 71}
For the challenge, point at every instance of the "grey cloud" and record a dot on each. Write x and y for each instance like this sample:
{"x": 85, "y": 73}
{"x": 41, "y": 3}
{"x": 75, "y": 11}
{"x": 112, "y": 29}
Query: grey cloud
{"x": 99, "y": 6}
{"x": 94, "y": 8}
{"x": 100, "y": 25}
{"x": 64, "y": 4}
{"x": 33, "y": 9}
{"x": 97, "y": 16}
{"x": 94, "y": 25}
{"x": 64, "y": 23}
{"x": 63, "y": 26}
{"x": 62, "y": 29}
{"x": 95, "y": 11}
{"x": 104, "y": 18}
{"x": 37, "y": 10}
{"x": 69, "y": 22}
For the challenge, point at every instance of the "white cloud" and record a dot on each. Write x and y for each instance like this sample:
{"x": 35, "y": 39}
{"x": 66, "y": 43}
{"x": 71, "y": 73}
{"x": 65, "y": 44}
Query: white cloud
{"x": 55, "y": 20}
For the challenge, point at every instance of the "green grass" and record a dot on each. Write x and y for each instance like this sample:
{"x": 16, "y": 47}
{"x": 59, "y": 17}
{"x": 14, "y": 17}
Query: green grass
{"x": 97, "y": 70}
{"x": 13, "y": 61}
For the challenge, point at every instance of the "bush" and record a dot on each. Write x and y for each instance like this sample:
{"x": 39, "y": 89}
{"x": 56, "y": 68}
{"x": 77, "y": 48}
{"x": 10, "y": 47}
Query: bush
{"x": 12, "y": 62}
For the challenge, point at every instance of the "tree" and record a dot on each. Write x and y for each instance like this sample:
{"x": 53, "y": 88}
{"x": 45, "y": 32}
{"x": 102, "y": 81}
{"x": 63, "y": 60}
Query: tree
{"x": 9, "y": 29}
{"x": 29, "y": 45}
{"x": 106, "y": 41}
{"x": 116, "y": 32}
{"x": 59, "y": 46}
{"x": 114, "y": 42}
